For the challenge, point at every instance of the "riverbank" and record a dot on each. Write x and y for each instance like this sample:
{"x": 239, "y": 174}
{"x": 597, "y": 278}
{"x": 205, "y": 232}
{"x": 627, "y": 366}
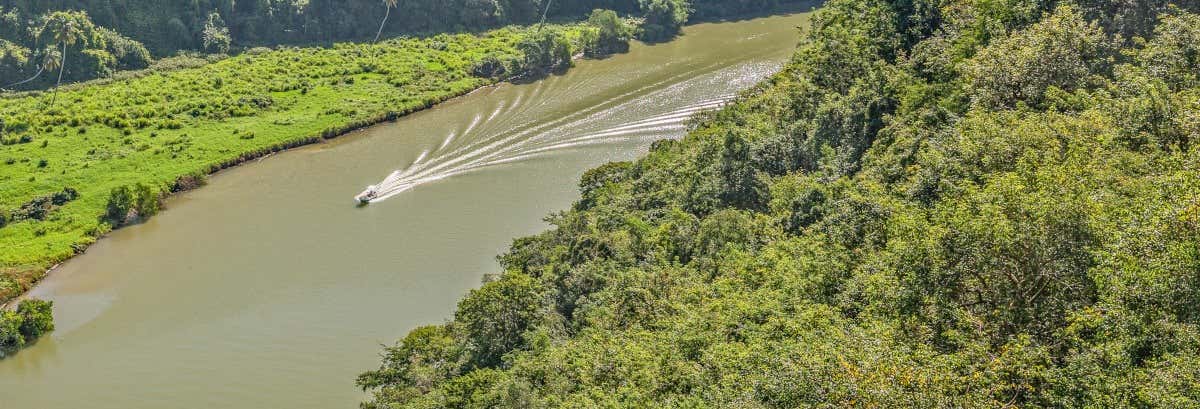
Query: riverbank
{"x": 248, "y": 297}
{"x": 60, "y": 165}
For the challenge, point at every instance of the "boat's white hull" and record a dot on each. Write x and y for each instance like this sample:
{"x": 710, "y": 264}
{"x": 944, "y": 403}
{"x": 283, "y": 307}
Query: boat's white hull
{"x": 368, "y": 195}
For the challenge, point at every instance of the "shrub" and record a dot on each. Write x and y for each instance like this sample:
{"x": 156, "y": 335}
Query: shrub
{"x": 37, "y": 318}
{"x": 664, "y": 18}
{"x": 612, "y": 34}
{"x": 32, "y": 319}
{"x": 149, "y": 200}
{"x": 546, "y": 50}
{"x": 120, "y": 202}
{"x": 10, "y": 332}
{"x": 62, "y": 197}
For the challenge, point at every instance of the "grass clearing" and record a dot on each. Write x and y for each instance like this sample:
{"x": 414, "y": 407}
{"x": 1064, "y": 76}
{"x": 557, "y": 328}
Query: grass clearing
{"x": 168, "y": 129}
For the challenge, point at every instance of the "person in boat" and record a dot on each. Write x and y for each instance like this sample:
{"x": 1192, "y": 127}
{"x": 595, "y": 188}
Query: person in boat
{"x": 367, "y": 195}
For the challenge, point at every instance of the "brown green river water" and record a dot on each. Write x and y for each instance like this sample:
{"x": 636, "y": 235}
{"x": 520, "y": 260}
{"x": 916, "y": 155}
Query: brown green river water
{"x": 269, "y": 288}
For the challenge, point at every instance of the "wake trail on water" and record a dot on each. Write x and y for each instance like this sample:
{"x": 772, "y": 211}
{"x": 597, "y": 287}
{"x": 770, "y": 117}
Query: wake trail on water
{"x": 518, "y": 130}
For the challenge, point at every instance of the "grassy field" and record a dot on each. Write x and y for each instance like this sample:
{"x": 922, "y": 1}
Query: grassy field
{"x": 172, "y": 126}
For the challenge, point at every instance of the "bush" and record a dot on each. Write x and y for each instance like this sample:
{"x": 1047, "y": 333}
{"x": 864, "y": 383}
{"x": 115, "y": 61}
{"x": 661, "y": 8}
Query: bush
{"x": 968, "y": 228}
{"x": 10, "y": 332}
{"x": 612, "y": 33}
{"x": 545, "y": 51}
{"x": 490, "y": 66}
{"x": 664, "y": 18}
{"x": 149, "y": 200}
{"x": 32, "y": 319}
{"x": 120, "y": 202}
{"x": 37, "y": 318}
{"x": 66, "y": 195}
{"x": 36, "y": 209}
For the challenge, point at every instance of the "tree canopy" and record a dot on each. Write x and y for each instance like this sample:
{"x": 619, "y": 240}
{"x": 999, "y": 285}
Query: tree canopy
{"x": 936, "y": 203}
{"x": 167, "y": 27}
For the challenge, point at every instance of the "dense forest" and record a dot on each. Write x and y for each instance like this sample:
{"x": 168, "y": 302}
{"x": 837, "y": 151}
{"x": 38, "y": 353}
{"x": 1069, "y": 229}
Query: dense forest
{"x": 110, "y": 36}
{"x": 937, "y": 203}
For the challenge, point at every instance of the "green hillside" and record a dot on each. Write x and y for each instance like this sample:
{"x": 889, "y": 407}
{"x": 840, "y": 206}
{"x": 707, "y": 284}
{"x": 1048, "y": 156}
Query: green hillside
{"x": 936, "y": 204}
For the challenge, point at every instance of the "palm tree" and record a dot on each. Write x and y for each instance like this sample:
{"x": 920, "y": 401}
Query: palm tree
{"x": 54, "y": 60}
{"x": 544, "y": 14}
{"x": 35, "y": 32}
{"x": 49, "y": 53}
{"x": 66, "y": 28}
{"x": 62, "y": 66}
{"x": 387, "y": 5}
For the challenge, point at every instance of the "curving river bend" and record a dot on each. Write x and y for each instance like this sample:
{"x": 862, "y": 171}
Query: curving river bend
{"x": 270, "y": 289}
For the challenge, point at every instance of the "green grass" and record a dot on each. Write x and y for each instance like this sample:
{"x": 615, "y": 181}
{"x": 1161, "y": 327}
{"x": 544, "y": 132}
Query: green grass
{"x": 159, "y": 127}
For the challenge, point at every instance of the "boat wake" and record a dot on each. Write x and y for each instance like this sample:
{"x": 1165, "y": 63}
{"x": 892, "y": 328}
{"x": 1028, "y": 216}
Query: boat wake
{"x": 530, "y": 126}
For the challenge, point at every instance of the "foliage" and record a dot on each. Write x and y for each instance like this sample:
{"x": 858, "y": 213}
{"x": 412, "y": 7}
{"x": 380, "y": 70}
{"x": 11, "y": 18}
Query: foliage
{"x": 663, "y": 18}
{"x": 1062, "y": 51}
{"x": 612, "y": 33}
{"x": 120, "y": 202}
{"x": 167, "y": 27}
{"x": 948, "y": 203}
{"x": 126, "y": 204}
{"x": 215, "y": 35}
{"x": 10, "y": 331}
{"x": 32, "y": 319}
{"x": 496, "y": 316}
{"x": 12, "y": 54}
{"x": 36, "y": 318}
{"x": 546, "y": 49}
{"x": 91, "y": 51}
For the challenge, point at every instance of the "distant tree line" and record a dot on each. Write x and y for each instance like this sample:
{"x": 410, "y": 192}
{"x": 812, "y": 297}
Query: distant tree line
{"x": 168, "y": 25}
{"x": 121, "y": 35}
{"x": 61, "y": 46}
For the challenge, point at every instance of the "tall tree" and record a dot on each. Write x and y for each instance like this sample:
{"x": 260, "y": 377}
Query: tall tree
{"x": 66, "y": 28}
{"x": 216, "y": 35}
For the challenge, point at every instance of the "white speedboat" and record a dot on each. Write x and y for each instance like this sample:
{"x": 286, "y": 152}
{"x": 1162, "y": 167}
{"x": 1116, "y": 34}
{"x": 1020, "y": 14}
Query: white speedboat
{"x": 368, "y": 195}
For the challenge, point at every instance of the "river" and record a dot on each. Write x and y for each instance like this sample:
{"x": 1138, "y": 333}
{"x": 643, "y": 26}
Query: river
{"x": 269, "y": 288}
